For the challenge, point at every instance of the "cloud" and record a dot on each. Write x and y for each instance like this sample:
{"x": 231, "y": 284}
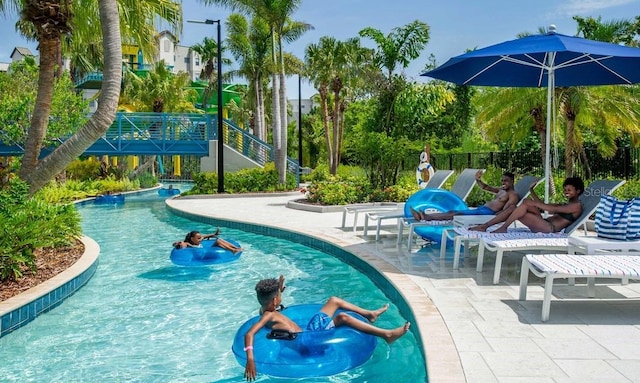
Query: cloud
{"x": 587, "y": 7}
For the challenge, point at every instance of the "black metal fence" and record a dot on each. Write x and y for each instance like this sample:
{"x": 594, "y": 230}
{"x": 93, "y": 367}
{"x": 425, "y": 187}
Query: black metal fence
{"x": 625, "y": 164}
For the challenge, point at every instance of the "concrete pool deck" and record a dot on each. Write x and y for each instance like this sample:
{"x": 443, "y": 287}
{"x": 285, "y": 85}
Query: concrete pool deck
{"x": 472, "y": 330}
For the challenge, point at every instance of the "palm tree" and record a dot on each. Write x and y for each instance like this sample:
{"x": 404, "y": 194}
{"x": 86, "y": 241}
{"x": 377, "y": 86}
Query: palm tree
{"x": 249, "y": 44}
{"x": 48, "y": 22}
{"x": 38, "y": 172}
{"x": 333, "y": 66}
{"x": 159, "y": 91}
{"x": 398, "y": 48}
{"x": 208, "y": 51}
{"x": 277, "y": 14}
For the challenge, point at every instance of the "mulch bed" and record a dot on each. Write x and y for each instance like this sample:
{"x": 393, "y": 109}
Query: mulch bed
{"x": 49, "y": 263}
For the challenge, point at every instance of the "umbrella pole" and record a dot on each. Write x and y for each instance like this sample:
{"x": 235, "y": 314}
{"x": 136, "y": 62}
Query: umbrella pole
{"x": 550, "y": 105}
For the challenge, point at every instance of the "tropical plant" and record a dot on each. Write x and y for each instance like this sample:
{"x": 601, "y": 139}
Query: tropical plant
{"x": 277, "y": 14}
{"x": 331, "y": 66}
{"x": 208, "y": 51}
{"x": 249, "y": 44}
{"x": 48, "y": 22}
{"x": 18, "y": 87}
{"x": 159, "y": 90}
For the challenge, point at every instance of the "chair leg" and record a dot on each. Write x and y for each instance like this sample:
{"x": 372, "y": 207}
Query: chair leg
{"x": 400, "y": 232}
{"x": 546, "y": 302}
{"x": 344, "y": 218}
{"x": 366, "y": 224}
{"x": 457, "y": 244}
{"x": 496, "y": 271}
{"x": 524, "y": 279}
{"x": 481, "y": 248}
{"x": 443, "y": 244}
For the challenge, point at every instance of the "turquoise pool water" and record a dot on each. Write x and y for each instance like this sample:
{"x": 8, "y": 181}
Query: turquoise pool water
{"x": 142, "y": 319}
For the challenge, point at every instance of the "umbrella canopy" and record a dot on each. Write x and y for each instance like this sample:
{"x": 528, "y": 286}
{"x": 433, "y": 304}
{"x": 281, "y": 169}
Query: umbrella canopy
{"x": 544, "y": 60}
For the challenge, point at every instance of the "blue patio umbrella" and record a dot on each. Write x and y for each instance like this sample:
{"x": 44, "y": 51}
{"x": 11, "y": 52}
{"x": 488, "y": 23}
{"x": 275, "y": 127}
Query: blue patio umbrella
{"x": 547, "y": 60}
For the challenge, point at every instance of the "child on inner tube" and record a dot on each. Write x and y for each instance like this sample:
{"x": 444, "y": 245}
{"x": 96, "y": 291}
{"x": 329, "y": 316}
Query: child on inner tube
{"x": 194, "y": 239}
{"x": 269, "y": 294}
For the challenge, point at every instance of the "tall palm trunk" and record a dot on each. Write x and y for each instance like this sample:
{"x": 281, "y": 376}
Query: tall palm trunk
{"x": 325, "y": 121}
{"x": 282, "y": 165}
{"x": 540, "y": 126}
{"x": 260, "y": 121}
{"x": 569, "y": 144}
{"x": 336, "y": 86}
{"x": 42, "y": 108}
{"x": 104, "y": 115}
{"x": 275, "y": 104}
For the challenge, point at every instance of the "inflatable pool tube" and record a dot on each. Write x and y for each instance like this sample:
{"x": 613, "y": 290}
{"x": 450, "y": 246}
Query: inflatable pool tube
{"x": 109, "y": 199}
{"x": 421, "y": 177}
{"x": 168, "y": 192}
{"x": 437, "y": 200}
{"x": 310, "y": 354}
{"x": 205, "y": 255}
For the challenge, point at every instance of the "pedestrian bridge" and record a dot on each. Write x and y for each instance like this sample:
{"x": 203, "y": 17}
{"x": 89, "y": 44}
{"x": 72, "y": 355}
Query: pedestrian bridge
{"x": 168, "y": 134}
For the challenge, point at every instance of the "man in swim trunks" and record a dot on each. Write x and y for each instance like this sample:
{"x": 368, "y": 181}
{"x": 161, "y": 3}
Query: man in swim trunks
{"x": 506, "y": 199}
{"x": 269, "y": 294}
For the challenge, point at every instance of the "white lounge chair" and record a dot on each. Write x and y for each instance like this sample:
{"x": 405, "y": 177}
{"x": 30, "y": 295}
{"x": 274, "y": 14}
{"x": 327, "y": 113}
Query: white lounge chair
{"x": 552, "y": 242}
{"x": 521, "y": 188}
{"x": 554, "y": 266}
{"x": 462, "y": 188}
{"x": 436, "y": 181}
{"x": 462, "y": 236}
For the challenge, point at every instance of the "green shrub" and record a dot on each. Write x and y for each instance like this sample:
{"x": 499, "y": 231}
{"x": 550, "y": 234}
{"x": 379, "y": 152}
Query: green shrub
{"x": 629, "y": 190}
{"x": 27, "y": 224}
{"x": 244, "y": 181}
{"x": 147, "y": 180}
{"x": 83, "y": 170}
{"x": 71, "y": 190}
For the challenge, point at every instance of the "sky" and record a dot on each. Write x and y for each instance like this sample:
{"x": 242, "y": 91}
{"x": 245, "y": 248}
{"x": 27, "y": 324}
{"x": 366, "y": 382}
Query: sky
{"x": 455, "y": 25}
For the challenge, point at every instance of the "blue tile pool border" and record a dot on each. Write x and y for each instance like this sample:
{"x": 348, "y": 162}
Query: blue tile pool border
{"x": 19, "y": 315}
{"x": 327, "y": 247}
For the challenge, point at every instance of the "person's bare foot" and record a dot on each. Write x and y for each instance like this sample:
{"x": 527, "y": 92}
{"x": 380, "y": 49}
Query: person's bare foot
{"x": 500, "y": 230}
{"x": 239, "y": 250}
{"x": 396, "y": 333}
{"x": 416, "y": 214}
{"x": 478, "y": 228}
{"x": 374, "y": 314}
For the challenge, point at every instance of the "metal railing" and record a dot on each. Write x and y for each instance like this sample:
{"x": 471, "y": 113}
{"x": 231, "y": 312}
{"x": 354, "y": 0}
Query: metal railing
{"x": 168, "y": 134}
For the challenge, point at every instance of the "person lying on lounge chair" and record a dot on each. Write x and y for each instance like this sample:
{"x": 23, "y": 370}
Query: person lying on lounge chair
{"x": 529, "y": 211}
{"x": 506, "y": 199}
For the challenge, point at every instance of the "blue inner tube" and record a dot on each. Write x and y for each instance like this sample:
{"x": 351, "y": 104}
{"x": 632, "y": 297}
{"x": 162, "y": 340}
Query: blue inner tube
{"x": 205, "y": 255}
{"x": 109, "y": 199}
{"x": 310, "y": 354}
{"x": 168, "y": 192}
{"x": 433, "y": 199}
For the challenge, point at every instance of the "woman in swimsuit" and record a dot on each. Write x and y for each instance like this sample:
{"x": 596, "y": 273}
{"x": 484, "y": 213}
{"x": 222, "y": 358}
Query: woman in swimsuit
{"x": 194, "y": 239}
{"x": 529, "y": 211}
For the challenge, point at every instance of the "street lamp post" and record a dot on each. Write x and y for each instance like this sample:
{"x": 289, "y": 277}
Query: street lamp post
{"x": 220, "y": 129}
{"x": 299, "y": 124}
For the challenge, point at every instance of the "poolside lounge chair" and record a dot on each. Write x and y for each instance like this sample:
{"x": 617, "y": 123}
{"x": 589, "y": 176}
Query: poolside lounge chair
{"x": 553, "y": 266}
{"x": 521, "y": 188}
{"x": 461, "y": 187}
{"x": 500, "y": 243}
{"x": 436, "y": 181}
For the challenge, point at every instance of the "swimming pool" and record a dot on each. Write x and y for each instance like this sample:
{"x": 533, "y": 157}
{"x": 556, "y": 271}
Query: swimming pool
{"x": 142, "y": 319}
